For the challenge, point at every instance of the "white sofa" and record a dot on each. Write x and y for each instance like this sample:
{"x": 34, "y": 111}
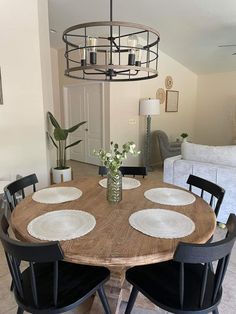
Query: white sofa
{"x": 214, "y": 163}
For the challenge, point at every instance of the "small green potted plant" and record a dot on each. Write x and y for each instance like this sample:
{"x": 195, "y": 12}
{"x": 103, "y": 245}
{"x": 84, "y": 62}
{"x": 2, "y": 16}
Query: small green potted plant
{"x": 112, "y": 160}
{"x": 184, "y": 137}
{"x": 61, "y": 172}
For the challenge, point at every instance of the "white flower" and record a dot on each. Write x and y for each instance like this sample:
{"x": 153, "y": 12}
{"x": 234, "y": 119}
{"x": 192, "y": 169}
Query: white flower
{"x": 131, "y": 150}
{"x": 113, "y": 159}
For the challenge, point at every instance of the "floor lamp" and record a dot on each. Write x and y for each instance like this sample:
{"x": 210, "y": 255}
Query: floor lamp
{"x": 149, "y": 107}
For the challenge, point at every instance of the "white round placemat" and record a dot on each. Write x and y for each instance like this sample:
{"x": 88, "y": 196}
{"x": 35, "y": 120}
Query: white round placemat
{"x": 168, "y": 196}
{"x": 162, "y": 223}
{"x": 57, "y": 195}
{"x": 61, "y": 225}
{"x": 127, "y": 183}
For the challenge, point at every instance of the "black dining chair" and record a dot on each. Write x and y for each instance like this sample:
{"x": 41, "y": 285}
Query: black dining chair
{"x": 14, "y": 192}
{"x": 49, "y": 284}
{"x": 133, "y": 171}
{"x": 186, "y": 284}
{"x": 16, "y": 188}
{"x": 102, "y": 171}
{"x": 126, "y": 171}
{"x": 213, "y": 189}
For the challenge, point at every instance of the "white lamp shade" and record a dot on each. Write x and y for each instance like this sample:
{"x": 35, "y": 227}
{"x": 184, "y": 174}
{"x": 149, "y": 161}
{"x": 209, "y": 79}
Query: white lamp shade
{"x": 149, "y": 107}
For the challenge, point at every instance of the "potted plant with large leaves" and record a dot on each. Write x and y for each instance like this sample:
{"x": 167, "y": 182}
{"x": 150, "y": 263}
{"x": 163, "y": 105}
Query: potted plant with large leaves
{"x": 62, "y": 172}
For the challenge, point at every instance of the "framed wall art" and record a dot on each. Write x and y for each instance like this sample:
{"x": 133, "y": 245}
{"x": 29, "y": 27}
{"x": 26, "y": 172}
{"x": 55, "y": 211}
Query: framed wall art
{"x": 172, "y": 98}
{"x": 1, "y": 95}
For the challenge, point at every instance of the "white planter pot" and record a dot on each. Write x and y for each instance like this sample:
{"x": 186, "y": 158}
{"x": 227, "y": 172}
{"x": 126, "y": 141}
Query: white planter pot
{"x": 61, "y": 175}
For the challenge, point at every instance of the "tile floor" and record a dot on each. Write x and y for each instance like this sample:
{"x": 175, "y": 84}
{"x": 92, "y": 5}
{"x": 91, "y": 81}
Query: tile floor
{"x": 228, "y": 303}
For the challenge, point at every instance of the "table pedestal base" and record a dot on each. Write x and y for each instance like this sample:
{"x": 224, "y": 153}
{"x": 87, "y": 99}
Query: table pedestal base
{"x": 118, "y": 290}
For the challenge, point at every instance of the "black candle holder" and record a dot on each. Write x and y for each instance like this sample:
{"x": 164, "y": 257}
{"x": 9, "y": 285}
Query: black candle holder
{"x": 93, "y": 57}
{"x": 131, "y": 60}
{"x": 83, "y": 62}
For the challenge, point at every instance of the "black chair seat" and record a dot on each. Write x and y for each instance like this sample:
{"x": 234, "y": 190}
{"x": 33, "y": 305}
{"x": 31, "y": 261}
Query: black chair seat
{"x": 75, "y": 283}
{"x": 160, "y": 283}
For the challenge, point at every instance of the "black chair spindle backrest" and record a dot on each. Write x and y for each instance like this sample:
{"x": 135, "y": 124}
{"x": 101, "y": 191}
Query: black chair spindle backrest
{"x": 18, "y": 186}
{"x": 16, "y": 251}
{"x": 206, "y": 254}
{"x": 102, "y": 171}
{"x": 206, "y": 186}
{"x": 133, "y": 171}
{"x": 125, "y": 170}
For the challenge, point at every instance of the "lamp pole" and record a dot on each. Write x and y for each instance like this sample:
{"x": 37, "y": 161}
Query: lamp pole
{"x": 148, "y": 107}
{"x": 148, "y": 144}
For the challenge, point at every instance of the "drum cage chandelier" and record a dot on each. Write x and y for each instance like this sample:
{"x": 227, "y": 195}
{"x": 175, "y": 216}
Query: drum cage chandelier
{"x": 122, "y": 52}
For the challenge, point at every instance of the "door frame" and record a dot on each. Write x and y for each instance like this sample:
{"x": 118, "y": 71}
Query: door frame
{"x": 66, "y": 107}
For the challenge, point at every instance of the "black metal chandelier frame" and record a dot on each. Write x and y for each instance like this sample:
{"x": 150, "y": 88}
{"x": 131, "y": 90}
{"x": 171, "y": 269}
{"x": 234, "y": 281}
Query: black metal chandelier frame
{"x": 116, "y": 59}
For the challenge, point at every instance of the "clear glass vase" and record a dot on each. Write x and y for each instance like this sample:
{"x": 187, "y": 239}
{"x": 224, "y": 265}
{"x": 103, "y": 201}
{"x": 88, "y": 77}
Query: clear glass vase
{"x": 114, "y": 186}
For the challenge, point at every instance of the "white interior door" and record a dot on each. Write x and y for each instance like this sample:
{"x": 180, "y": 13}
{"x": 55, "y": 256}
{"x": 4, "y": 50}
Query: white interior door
{"x": 76, "y": 114}
{"x": 85, "y": 103}
{"x": 94, "y": 116}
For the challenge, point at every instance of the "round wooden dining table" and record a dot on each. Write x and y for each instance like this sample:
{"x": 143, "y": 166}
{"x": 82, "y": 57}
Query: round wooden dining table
{"x": 113, "y": 242}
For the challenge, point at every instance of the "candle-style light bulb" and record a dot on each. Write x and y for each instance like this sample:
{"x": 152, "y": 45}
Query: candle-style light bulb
{"x": 82, "y": 56}
{"x": 92, "y": 43}
{"x": 138, "y": 56}
{"x": 132, "y": 42}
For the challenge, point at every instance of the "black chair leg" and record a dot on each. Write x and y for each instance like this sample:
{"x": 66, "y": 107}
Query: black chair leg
{"x": 12, "y": 283}
{"x": 131, "y": 301}
{"x": 215, "y": 311}
{"x": 11, "y": 287}
{"x": 211, "y": 267}
{"x": 104, "y": 301}
{"x": 20, "y": 311}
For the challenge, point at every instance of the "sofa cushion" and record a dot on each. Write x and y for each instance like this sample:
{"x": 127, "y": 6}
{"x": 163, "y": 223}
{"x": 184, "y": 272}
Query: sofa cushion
{"x": 221, "y": 155}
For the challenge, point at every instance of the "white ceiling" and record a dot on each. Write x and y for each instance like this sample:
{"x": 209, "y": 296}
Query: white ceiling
{"x": 190, "y": 30}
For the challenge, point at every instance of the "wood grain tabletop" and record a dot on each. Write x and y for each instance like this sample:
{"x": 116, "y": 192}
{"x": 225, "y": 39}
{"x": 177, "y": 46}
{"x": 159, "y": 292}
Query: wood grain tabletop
{"x": 113, "y": 242}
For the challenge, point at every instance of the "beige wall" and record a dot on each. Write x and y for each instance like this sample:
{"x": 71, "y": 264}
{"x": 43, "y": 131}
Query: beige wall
{"x": 125, "y": 122}
{"x": 124, "y": 114}
{"x": 27, "y": 91}
{"x": 216, "y": 109}
{"x": 55, "y": 84}
{"x": 184, "y": 81}
{"x": 26, "y": 80}
{"x": 63, "y": 80}
{"x": 207, "y": 106}
{"x": 124, "y": 103}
